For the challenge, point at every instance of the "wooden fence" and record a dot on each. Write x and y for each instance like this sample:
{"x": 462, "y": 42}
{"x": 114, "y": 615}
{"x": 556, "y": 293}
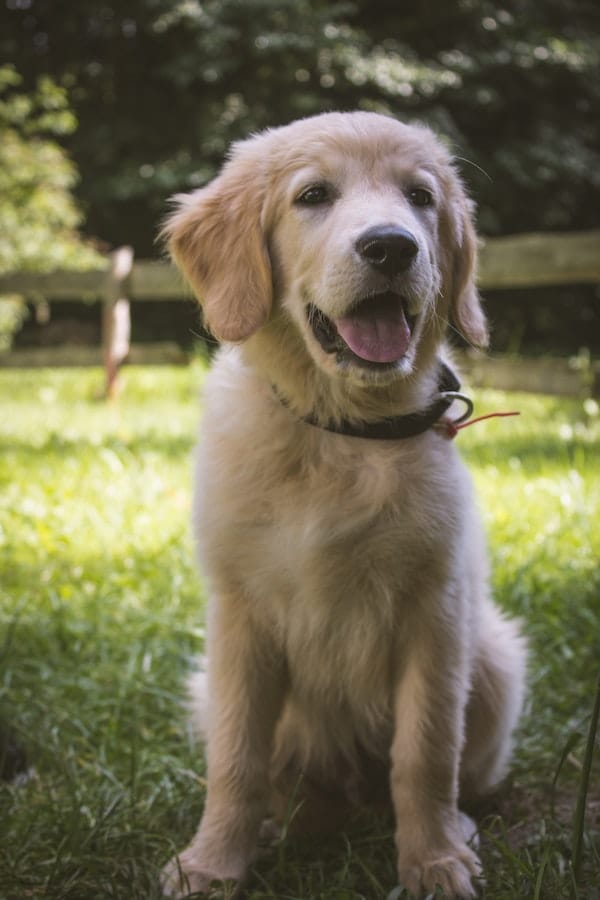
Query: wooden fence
{"x": 527, "y": 260}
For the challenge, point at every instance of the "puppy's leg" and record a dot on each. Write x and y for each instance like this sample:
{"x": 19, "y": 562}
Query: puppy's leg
{"x": 198, "y": 701}
{"x": 246, "y": 693}
{"x": 495, "y": 703}
{"x": 430, "y": 706}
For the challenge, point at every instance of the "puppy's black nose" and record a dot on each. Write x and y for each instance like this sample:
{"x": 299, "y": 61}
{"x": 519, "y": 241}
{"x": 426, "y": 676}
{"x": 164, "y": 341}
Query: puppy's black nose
{"x": 387, "y": 248}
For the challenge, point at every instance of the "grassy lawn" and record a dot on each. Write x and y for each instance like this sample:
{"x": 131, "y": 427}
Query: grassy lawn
{"x": 101, "y": 613}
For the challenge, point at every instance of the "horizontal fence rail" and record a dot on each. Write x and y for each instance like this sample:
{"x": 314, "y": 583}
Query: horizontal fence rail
{"x": 525, "y": 260}
{"x": 540, "y": 260}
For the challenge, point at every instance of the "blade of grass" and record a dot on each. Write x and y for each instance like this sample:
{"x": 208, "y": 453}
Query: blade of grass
{"x": 537, "y": 895}
{"x": 572, "y": 742}
{"x": 579, "y": 817}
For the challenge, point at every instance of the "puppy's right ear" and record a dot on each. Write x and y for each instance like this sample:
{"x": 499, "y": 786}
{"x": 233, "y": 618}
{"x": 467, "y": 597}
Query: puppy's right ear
{"x": 216, "y": 238}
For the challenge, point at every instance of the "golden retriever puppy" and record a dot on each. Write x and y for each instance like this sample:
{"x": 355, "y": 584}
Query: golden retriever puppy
{"x": 354, "y": 651}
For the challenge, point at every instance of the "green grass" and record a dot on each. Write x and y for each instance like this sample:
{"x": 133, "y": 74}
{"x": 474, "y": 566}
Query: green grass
{"x": 101, "y": 611}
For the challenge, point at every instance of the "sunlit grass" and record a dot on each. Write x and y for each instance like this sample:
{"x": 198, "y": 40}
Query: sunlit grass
{"x": 101, "y": 612}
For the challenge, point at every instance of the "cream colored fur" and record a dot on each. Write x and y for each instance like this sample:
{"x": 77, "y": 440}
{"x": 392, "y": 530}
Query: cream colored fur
{"x": 350, "y": 629}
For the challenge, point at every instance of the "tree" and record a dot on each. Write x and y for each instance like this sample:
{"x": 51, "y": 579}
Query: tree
{"x": 514, "y": 84}
{"x": 38, "y": 216}
{"x": 161, "y": 87}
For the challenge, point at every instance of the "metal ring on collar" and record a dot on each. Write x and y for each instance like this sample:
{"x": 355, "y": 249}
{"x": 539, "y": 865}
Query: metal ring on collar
{"x": 456, "y": 395}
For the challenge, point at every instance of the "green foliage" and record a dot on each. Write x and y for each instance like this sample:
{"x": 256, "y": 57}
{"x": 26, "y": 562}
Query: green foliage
{"x": 161, "y": 88}
{"x": 101, "y": 610}
{"x": 38, "y": 214}
{"x": 38, "y": 217}
{"x": 513, "y": 85}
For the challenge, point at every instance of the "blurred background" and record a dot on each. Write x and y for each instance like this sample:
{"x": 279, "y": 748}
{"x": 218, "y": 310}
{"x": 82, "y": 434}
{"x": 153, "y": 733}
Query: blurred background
{"x": 107, "y": 108}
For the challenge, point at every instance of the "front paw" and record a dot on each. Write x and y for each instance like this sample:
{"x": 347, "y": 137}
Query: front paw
{"x": 187, "y": 874}
{"x": 453, "y": 872}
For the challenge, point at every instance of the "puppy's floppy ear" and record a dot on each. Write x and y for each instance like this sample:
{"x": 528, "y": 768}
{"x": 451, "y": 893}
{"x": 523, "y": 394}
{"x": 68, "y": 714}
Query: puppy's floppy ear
{"x": 216, "y": 238}
{"x": 465, "y": 308}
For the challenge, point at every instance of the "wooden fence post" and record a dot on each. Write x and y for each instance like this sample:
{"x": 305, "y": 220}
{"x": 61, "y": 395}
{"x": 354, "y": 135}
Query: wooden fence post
{"x": 116, "y": 317}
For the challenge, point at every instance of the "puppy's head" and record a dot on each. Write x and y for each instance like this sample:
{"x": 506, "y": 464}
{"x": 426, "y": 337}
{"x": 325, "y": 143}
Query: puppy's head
{"x": 351, "y": 227}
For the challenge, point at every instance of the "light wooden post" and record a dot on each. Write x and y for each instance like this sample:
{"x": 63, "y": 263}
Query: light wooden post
{"x": 116, "y": 317}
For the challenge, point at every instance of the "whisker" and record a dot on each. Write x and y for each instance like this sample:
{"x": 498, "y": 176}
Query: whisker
{"x": 475, "y": 166}
{"x": 448, "y": 324}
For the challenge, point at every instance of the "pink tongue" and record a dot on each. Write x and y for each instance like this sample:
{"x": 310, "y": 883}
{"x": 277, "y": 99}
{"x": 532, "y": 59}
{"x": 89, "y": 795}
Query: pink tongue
{"x": 377, "y": 331}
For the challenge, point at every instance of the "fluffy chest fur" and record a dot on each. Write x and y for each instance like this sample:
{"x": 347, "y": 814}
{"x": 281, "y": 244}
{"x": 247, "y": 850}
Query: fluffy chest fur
{"x": 332, "y": 542}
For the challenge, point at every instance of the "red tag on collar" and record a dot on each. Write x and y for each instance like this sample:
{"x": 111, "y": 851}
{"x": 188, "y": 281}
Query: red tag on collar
{"x": 449, "y": 429}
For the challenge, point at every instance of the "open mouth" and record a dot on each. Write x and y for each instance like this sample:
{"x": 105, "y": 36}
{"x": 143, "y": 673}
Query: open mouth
{"x": 377, "y": 331}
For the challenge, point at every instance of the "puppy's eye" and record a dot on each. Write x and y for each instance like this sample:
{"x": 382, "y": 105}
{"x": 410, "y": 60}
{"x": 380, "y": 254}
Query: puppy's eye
{"x": 314, "y": 195}
{"x": 420, "y": 197}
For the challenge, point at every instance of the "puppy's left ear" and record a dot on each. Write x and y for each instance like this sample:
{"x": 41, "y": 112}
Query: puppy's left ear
{"x": 465, "y": 305}
{"x": 216, "y": 238}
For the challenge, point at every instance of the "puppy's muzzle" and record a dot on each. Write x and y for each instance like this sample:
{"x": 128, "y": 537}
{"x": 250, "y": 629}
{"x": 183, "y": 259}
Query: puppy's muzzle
{"x": 388, "y": 249}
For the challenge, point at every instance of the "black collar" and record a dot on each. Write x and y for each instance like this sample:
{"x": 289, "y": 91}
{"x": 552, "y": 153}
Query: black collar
{"x": 397, "y": 427}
